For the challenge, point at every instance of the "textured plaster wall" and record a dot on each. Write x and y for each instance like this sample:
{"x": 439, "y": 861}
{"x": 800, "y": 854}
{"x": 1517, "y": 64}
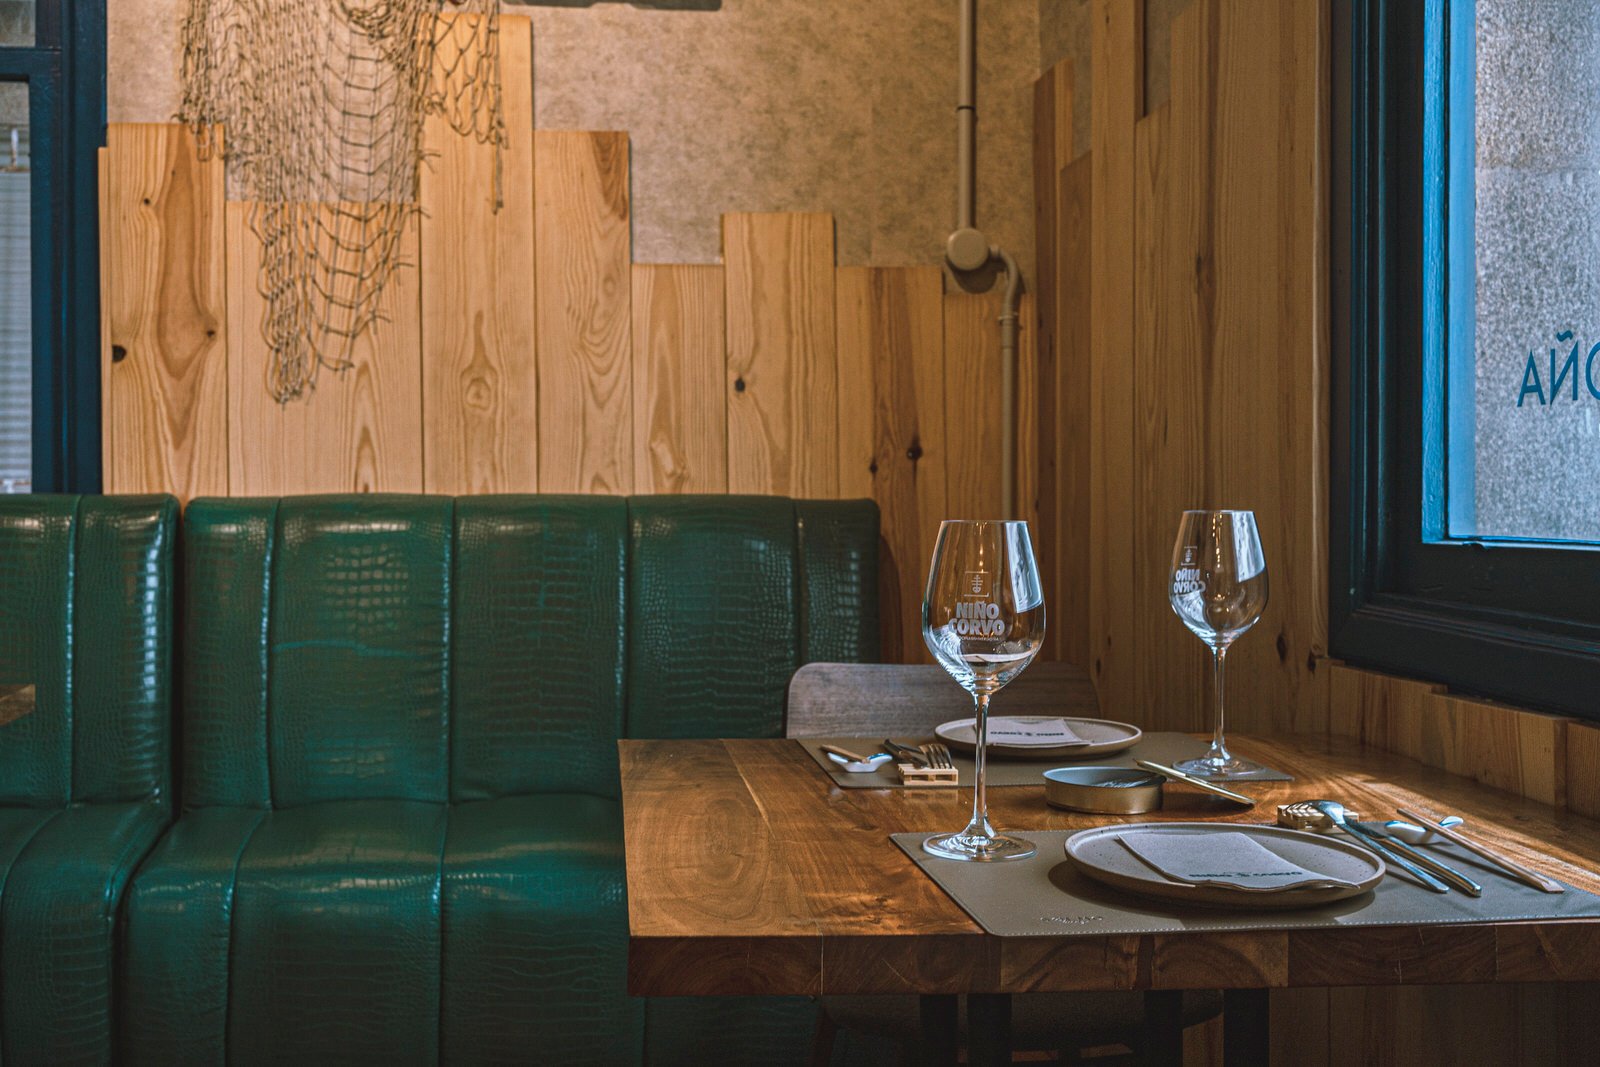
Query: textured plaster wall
{"x": 744, "y": 105}
{"x": 1538, "y": 266}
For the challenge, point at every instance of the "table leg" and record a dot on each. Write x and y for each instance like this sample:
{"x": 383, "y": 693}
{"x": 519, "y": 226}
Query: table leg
{"x": 940, "y": 1031}
{"x": 988, "y": 1029}
{"x": 1246, "y": 1014}
{"x": 1163, "y": 1027}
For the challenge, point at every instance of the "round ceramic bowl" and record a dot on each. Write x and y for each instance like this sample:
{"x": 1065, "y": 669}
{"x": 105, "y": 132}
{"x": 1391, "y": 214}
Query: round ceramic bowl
{"x": 1103, "y": 790}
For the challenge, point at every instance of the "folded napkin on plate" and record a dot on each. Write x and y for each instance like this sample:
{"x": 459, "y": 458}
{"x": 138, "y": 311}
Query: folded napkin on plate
{"x": 1228, "y": 859}
{"x": 1043, "y": 732}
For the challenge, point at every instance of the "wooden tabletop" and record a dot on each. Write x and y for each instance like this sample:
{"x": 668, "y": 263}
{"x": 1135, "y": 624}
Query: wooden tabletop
{"x": 751, "y": 872}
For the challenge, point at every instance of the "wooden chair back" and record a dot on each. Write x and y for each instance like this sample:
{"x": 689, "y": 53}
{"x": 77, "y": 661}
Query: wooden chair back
{"x": 844, "y": 699}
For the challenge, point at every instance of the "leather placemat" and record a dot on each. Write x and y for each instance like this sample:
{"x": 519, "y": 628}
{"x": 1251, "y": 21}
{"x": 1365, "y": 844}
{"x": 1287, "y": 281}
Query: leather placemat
{"x": 1047, "y": 896}
{"x": 1167, "y": 748}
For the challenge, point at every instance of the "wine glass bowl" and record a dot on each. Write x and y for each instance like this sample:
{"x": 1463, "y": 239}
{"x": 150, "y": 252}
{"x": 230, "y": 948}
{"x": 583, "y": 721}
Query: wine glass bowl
{"x": 983, "y": 620}
{"x": 1218, "y": 589}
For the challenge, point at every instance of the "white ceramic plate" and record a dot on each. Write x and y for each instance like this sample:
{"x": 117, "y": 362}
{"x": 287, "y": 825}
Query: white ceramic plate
{"x": 1098, "y": 854}
{"x": 1103, "y": 735}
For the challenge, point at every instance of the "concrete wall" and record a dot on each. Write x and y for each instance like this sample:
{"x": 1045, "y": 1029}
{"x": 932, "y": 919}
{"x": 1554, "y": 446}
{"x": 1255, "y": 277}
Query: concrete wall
{"x": 1538, "y": 266}
{"x": 737, "y": 105}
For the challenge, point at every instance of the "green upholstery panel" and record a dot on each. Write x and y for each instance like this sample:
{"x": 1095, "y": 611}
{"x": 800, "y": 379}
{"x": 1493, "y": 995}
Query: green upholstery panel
{"x": 85, "y": 616}
{"x": 335, "y": 941}
{"x": 537, "y": 645}
{"x": 227, "y": 554}
{"x": 58, "y": 912}
{"x": 713, "y": 615}
{"x": 178, "y": 923}
{"x": 357, "y": 661}
{"x": 400, "y": 720}
{"x": 536, "y": 933}
{"x": 36, "y": 558}
{"x": 839, "y": 561}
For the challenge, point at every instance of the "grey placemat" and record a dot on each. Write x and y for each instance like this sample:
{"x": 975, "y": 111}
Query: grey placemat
{"x": 1167, "y": 748}
{"x": 1047, "y": 896}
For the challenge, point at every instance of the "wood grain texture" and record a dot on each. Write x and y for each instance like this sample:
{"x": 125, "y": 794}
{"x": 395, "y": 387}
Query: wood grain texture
{"x": 1522, "y": 752}
{"x": 813, "y": 872}
{"x": 585, "y": 349}
{"x": 480, "y": 397}
{"x": 839, "y": 699}
{"x": 680, "y": 420}
{"x": 1074, "y": 360}
{"x": 1117, "y": 47}
{"x": 165, "y": 277}
{"x": 360, "y": 430}
{"x": 1583, "y": 769}
{"x": 892, "y": 429}
{"x": 783, "y": 374}
{"x": 972, "y": 404}
{"x": 16, "y": 701}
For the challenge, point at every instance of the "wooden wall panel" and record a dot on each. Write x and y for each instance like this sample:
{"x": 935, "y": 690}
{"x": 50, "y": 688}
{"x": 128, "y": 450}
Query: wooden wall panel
{"x": 680, "y": 421}
{"x": 972, "y": 403}
{"x": 1118, "y": 50}
{"x": 480, "y": 398}
{"x": 782, "y": 363}
{"x": 1074, "y": 358}
{"x": 165, "y": 392}
{"x": 360, "y": 430}
{"x": 893, "y": 444}
{"x": 584, "y": 257}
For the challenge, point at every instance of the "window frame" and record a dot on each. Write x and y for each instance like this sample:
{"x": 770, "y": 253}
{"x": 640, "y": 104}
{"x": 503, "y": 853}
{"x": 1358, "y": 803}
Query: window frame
{"x": 1518, "y": 621}
{"x": 65, "y": 70}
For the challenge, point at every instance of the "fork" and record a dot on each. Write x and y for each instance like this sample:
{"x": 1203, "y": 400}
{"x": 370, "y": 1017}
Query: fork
{"x": 938, "y": 756}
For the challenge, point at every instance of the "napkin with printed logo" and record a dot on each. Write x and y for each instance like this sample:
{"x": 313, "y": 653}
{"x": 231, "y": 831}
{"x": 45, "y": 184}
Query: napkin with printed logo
{"x": 1052, "y": 732}
{"x": 1226, "y": 859}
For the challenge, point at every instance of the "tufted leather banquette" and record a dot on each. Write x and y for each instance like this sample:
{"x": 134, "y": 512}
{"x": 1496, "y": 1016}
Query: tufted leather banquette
{"x": 401, "y": 838}
{"x": 86, "y": 619}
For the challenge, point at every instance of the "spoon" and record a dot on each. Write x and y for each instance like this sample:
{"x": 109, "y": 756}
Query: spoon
{"x": 1335, "y": 813}
{"x": 854, "y": 763}
{"x": 1412, "y": 834}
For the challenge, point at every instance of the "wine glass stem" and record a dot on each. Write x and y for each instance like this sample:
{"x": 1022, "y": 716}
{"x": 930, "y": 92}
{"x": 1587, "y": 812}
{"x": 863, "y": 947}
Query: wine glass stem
{"x": 979, "y": 826}
{"x": 1219, "y": 659}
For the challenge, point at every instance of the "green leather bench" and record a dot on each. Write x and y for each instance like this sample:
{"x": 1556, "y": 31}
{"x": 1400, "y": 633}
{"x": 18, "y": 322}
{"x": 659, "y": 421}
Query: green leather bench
{"x": 401, "y": 840}
{"x": 86, "y": 619}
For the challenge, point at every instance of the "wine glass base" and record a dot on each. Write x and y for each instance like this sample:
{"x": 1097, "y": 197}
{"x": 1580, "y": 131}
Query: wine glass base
{"x": 1213, "y": 768}
{"x": 977, "y": 848}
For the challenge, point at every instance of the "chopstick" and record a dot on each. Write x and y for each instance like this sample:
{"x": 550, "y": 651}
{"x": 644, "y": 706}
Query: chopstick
{"x": 1210, "y": 787}
{"x": 1532, "y": 877}
{"x": 843, "y": 753}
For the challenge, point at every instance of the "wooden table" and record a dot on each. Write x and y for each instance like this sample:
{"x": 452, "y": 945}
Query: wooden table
{"x": 751, "y": 872}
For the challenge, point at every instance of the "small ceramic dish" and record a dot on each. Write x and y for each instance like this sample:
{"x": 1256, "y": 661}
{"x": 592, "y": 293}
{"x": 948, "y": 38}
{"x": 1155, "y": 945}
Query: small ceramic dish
{"x": 1103, "y": 790}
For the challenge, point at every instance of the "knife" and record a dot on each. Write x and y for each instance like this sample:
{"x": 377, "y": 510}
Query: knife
{"x": 906, "y": 752}
{"x": 1443, "y": 870}
{"x": 1335, "y": 811}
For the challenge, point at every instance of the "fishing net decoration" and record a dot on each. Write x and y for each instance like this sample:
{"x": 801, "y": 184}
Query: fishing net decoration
{"x": 318, "y": 108}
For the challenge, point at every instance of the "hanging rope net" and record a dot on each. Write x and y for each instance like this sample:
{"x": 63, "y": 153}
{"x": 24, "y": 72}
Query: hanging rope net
{"x": 318, "y": 107}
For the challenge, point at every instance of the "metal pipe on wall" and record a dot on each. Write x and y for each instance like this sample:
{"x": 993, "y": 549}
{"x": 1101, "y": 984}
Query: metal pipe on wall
{"x": 967, "y": 249}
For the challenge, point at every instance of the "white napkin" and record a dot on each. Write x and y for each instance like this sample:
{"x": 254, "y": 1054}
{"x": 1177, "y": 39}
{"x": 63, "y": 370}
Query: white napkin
{"x": 1229, "y": 859}
{"x": 1043, "y": 732}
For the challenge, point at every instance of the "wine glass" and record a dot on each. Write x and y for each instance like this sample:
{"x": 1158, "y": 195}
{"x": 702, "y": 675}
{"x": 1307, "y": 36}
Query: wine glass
{"x": 1219, "y": 590}
{"x": 983, "y": 618}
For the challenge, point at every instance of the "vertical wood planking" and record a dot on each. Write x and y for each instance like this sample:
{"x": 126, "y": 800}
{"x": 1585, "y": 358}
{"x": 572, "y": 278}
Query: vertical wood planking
{"x": 680, "y": 428}
{"x": 1047, "y": 94}
{"x": 480, "y": 404}
{"x": 584, "y": 266}
{"x": 783, "y": 372}
{"x": 107, "y": 435}
{"x": 360, "y": 430}
{"x": 972, "y": 404}
{"x": 164, "y": 266}
{"x": 892, "y": 430}
{"x": 1028, "y": 428}
{"x": 1074, "y": 360}
{"x": 1118, "y": 50}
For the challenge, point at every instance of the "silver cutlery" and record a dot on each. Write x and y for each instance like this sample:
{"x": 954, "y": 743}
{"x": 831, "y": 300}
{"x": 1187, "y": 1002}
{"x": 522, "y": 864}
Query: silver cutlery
{"x": 1335, "y": 812}
{"x": 1449, "y": 874}
{"x": 938, "y": 756}
{"x": 1510, "y": 866}
{"x": 914, "y": 755}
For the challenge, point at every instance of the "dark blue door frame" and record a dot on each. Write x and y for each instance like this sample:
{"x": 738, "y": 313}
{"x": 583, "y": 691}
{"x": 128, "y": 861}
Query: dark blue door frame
{"x": 66, "y": 75}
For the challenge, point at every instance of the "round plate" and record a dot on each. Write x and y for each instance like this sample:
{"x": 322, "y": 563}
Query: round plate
{"x": 1103, "y": 735}
{"x": 1098, "y": 854}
